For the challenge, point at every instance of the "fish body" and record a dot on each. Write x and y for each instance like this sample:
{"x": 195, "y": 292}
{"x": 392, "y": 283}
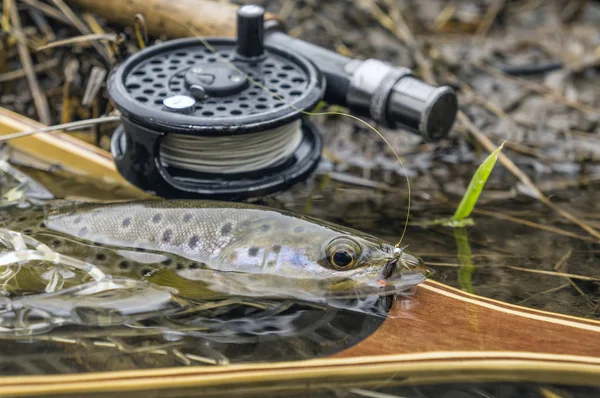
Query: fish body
{"x": 223, "y": 248}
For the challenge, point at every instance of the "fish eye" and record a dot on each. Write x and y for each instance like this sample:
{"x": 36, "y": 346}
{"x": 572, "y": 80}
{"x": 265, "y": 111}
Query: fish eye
{"x": 343, "y": 253}
{"x": 342, "y": 259}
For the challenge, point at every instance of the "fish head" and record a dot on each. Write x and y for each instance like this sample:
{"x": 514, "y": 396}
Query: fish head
{"x": 364, "y": 266}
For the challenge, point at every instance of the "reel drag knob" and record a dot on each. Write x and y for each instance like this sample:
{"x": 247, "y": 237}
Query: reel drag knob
{"x": 250, "y": 31}
{"x": 194, "y": 125}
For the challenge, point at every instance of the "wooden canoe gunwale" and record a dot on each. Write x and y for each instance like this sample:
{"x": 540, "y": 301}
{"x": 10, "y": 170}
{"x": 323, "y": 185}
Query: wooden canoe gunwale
{"x": 491, "y": 367}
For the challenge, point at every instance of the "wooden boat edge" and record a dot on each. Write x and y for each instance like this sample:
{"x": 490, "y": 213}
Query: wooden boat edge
{"x": 522, "y": 368}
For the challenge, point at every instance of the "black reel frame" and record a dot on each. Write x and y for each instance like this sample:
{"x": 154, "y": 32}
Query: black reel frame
{"x": 225, "y": 103}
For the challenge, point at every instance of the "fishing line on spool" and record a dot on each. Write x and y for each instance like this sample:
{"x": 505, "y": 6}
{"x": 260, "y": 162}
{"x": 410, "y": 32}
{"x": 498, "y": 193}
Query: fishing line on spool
{"x": 258, "y": 84}
{"x": 231, "y": 154}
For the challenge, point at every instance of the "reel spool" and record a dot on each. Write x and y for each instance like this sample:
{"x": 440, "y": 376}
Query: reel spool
{"x": 193, "y": 127}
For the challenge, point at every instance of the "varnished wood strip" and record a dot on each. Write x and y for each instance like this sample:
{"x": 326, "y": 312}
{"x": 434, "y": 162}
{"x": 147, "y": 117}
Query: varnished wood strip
{"x": 501, "y": 304}
{"x": 56, "y": 148}
{"x": 409, "y": 372}
{"x": 444, "y": 319}
{"x": 360, "y": 361}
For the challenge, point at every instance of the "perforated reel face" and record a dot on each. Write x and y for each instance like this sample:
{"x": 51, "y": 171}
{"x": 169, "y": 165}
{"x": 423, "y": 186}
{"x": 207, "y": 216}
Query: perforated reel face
{"x": 140, "y": 86}
{"x": 182, "y": 87}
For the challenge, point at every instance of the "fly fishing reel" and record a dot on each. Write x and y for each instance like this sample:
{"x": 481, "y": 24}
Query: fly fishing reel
{"x": 223, "y": 118}
{"x": 218, "y": 119}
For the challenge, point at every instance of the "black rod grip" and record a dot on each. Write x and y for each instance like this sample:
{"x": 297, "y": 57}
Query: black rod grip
{"x": 391, "y": 96}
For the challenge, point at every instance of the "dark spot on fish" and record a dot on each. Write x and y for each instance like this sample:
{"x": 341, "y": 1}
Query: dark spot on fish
{"x": 126, "y": 222}
{"x": 41, "y": 225}
{"x": 167, "y": 262}
{"x": 21, "y": 219}
{"x": 194, "y": 266}
{"x": 226, "y": 229}
{"x": 123, "y": 265}
{"x": 100, "y": 256}
{"x": 193, "y": 241}
{"x": 147, "y": 272}
{"x": 180, "y": 266}
{"x": 56, "y": 243}
{"x": 77, "y": 220}
{"x": 253, "y": 251}
{"x": 265, "y": 227}
{"x": 82, "y": 231}
{"x": 156, "y": 218}
{"x": 187, "y": 217}
{"x": 299, "y": 229}
{"x": 276, "y": 248}
{"x": 27, "y": 231}
{"x": 167, "y": 235}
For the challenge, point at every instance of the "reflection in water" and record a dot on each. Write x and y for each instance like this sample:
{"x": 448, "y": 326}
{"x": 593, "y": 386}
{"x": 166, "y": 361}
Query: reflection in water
{"x": 232, "y": 331}
{"x": 68, "y": 316}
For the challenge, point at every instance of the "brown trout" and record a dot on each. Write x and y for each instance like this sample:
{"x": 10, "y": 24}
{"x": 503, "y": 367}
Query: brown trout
{"x": 206, "y": 249}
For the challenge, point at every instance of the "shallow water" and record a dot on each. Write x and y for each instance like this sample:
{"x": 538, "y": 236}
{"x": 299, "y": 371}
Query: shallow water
{"x": 505, "y": 253}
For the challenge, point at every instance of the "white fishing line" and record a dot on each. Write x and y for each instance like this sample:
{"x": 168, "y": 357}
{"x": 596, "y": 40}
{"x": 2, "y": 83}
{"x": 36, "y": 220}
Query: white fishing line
{"x": 231, "y": 154}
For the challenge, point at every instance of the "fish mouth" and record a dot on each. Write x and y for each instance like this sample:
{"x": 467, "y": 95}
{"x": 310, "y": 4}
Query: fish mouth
{"x": 393, "y": 285}
{"x": 399, "y": 274}
{"x": 398, "y": 281}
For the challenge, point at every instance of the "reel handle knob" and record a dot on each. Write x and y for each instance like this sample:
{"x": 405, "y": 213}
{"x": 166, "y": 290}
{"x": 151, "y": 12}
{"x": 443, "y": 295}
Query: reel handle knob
{"x": 250, "y": 31}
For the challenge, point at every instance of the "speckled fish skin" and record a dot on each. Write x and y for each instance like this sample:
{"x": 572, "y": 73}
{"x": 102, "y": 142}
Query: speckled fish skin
{"x": 234, "y": 246}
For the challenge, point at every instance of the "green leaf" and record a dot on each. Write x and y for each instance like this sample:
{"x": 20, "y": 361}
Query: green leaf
{"x": 467, "y": 204}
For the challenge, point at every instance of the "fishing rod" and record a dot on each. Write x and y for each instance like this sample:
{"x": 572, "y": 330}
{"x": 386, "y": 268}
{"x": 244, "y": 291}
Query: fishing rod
{"x": 225, "y": 118}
